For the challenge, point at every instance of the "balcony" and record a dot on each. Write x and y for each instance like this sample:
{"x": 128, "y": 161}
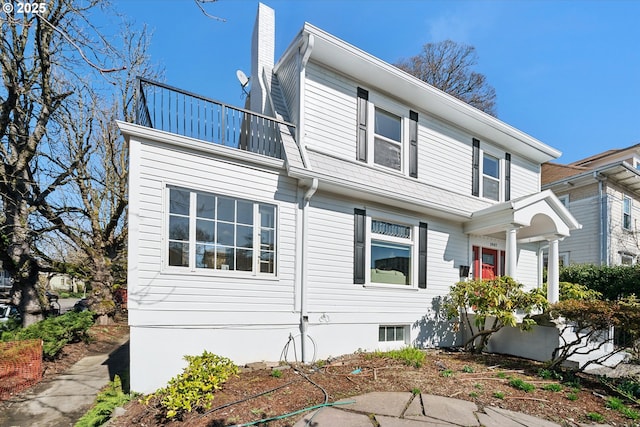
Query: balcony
{"x": 166, "y": 108}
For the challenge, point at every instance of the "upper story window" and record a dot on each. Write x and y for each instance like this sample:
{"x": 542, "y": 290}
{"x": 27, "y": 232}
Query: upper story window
{"x": 564, "y": 199}
{"x": 211, "y": 232}
{"x": 626, "y": 212}
{"x": 491, "y": 177}
{"x": 387, "y": 135}
{"x": 387, "y": 142}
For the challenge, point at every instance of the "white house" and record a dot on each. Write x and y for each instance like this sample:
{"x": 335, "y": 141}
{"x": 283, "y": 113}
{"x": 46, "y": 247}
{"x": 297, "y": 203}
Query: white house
{"x": 338, "y": 209}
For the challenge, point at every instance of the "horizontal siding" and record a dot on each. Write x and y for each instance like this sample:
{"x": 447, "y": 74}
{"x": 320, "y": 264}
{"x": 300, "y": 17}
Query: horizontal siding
{"x": 168, "y": 293}
{"x": 621, "y": 239}
{"x": 525, "y": 177}
{"x": 527, "y": 269}
{"x": 330, "y": 112}
{"x": 330, "y": 272}
{"x": 583, "y": 246}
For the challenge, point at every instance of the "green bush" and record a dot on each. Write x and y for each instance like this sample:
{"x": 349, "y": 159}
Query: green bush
{"x": 521, "y": 385}
{"x": 411, "y": 356}
{"x": 611, "y": 281}
{"x": 552, "y": 387}
{"x": 195, "y": 386}
{"x": 55, "y": 332}
{"x": 107, "y": 400}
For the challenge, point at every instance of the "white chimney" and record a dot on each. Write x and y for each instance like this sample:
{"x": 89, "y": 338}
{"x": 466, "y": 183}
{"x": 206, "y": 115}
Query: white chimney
{"x": 262, "y": 56}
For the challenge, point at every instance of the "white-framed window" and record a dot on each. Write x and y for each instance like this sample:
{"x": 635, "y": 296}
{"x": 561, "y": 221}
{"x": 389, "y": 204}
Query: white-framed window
{"x": 563, "y": 259}
{"x": 626, "y": 212}
{"x": 391, "y": 253}
{"x": 211, "y": 232}
{"x": 490, "y": 177}
{"x": 564, "y": 199}
{"x": 627, "y": 258}
{"x": 387, "y": 139}
{"x": 392, "y": 334}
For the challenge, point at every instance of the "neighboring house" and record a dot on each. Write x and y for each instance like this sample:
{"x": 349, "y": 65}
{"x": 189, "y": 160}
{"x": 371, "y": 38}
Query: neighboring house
{"x": 337, "y": 211}
{"x": 62, "y": 282}
{"x": 603, "y": 194}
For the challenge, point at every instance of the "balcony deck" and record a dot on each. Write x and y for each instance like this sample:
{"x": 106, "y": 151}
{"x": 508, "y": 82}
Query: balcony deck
{"x": 166, "y": 108}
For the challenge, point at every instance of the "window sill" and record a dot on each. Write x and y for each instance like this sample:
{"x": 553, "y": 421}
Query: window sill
{"x": 233, "y": 275}
{"x": 390, "y": 286}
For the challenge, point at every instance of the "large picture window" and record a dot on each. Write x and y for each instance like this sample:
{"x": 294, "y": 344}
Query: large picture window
{"x": 213, "y": 232}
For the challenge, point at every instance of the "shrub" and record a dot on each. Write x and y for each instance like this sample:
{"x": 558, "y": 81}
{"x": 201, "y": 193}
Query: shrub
{"x": 572, "y": 396}
{"x": 614, "y": 403}
{"x": 467, "y": 369}
{"x": 498, "y": 394}
{"x": 410, "y": 356}
{"x": 521, "y": 385}
{"x": 447, "y": 373}
{"x": 194, "y": 388}
{"x": 107, "y": 400}
{"x": 552, "y": 387}
{"x": 276, "y": 373}
{"x": 55, "y": 332}
{"x": 596, "y": 417}
{"x": 496, "y": 299}
{"x": 632, "y": 414}
{"x": 612, "y": 281}
{"x": 568, "y": 290}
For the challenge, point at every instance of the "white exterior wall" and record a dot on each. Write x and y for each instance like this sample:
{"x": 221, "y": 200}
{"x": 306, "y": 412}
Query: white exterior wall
{"x": 583, "y": 246}
{"x": 330, "y": 127}
{"x": 176, "y": 312}
{"x": 622, "y": 240}
{"x": 527, "y": 268}
{"x": 337, "y": 305}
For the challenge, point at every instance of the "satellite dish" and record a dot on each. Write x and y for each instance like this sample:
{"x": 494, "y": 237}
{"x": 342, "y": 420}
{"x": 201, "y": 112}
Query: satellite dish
{"x": 243, "y": 79}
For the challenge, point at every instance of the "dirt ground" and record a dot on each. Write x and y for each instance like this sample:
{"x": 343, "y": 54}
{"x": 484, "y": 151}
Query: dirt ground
{"x": 258, "y": 394}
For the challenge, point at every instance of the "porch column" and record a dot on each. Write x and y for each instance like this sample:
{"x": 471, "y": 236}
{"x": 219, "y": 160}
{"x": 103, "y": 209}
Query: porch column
{"x": 511, "y": 255}
{"x": 553, "y": 273}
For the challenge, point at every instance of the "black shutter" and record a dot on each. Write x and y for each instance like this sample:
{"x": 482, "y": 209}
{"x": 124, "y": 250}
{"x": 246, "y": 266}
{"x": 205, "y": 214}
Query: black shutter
{"x": 475, "y": 180}
{"x": 361, "y": 144}
{"x": 422, "y": 256}
{"x": 358, "y": 246}
{"x": 413, "y": 144}
{"x": 507, "y": 176}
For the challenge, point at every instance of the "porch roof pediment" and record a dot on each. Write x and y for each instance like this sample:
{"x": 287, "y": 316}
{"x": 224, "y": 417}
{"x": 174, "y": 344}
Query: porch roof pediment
{"x": 538, "y": 216}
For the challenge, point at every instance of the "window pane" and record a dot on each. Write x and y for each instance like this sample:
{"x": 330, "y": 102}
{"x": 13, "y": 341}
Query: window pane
{"x": 267, "y": 216}
{"x": 390, "y": 229}
{"x": 205, "y": 256}
{"x": 399, "y": 333}
{"x": 205, "y": 231}
{"x": 245, "y": 236}
{"x": 490, "y": 166}
{"x": 388, "y": 125}
{"x": 390, "y": 263}
{"x": 390, "y": 334}
{"x": 179, "y": 254}
{"x": 382, "y": 334}
{"x": 245, "y": 212}
{"x": 267, "y": 264}
{"x": 226, "y": 209}
{"x": 244, "y": 259}
{"x": 387, "y": 154}
{"x": 206, "y": 206}
{"x": 490, "y": 188}
{"x": 178, "y": 228}
{"x": 226, "y": 234}
{"x": 225, "y": 259}
{"x": 179, "y": 201}
{"x": 267, "y": 239}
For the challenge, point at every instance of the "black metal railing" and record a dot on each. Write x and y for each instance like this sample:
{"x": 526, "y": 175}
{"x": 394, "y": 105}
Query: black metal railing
{"x": 169, "y": 109}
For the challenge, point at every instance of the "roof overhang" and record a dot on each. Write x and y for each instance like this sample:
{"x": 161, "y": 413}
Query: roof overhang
{"x": 620, "y": 173}
{"x": 335, "y": 53}
{"x": 540, "y": 216}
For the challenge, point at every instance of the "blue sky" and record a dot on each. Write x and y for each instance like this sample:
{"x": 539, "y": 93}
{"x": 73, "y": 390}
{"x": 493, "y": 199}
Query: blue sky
{"x": 565, "y": 72}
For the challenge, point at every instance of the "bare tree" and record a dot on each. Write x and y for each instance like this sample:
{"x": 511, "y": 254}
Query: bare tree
{"x": 91, "y": 212}
{"x": 448, "y": 66}
{"x": 40, "y": 55}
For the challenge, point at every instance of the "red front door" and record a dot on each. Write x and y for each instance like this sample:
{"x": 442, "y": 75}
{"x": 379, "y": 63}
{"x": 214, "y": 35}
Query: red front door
{"x": 485, "y": 263}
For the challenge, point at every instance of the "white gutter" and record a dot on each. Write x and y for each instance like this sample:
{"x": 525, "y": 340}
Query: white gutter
{"x": 604, "y": 256}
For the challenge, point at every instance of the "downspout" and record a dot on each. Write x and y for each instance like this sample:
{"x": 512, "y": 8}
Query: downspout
{"x": 604, "y": 213}
{"x": 304, "y": 316}
{"x": 305, "y": 52}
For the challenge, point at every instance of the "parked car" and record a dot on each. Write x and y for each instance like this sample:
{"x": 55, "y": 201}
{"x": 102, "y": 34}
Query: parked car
{"x": 8, "y": 312}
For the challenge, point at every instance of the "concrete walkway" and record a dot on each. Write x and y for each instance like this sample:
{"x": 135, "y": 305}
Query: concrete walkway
{"x": 406, "y": 410}
{"x": 62, "y": 400}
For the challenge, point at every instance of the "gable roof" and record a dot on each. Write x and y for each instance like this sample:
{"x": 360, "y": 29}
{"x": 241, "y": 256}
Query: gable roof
{"x": 347, "y": 59}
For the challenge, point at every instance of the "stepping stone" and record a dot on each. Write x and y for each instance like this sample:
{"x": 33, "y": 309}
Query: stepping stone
{"x": 380, "y": 403}
{"x": 454, "y": 411}
{"x": 332, "y": 417}
{"x": 523, "y": 419}
{"x": 384, "y": 421}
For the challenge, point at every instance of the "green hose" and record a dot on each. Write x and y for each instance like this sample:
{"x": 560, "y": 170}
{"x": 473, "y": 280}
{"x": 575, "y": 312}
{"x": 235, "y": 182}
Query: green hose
{"x": 290, "y": 414}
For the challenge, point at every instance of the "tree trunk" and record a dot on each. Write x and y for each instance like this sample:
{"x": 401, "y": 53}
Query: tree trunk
{"x": 101, "y": 299}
